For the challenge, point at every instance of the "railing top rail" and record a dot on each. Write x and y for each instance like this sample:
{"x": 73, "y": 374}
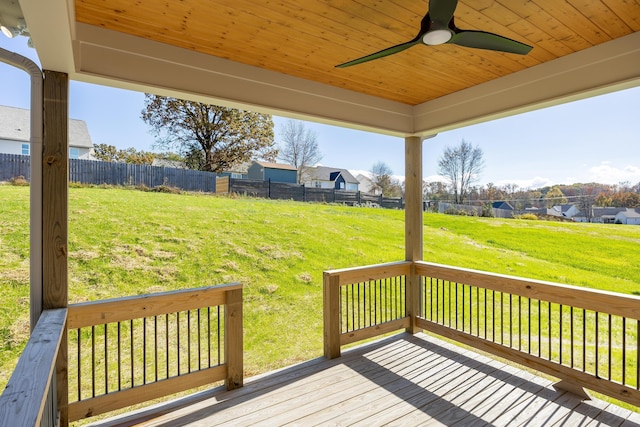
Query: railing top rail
{"x": 134, "y": 307}
{"x": 370, "y": 272}
{"x": 24, "y": 397}
{"x": 591, "y": 299}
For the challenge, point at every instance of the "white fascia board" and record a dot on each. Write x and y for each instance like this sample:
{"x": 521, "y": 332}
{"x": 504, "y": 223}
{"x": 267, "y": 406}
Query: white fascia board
{"x": 128, "y": 62}
{"x": 51, "y": 26}
{"x": 605, "y": 68}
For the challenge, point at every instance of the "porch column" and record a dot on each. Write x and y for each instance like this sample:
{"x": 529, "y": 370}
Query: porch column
{"x": 413, "y": 222}
{"x": 55, "y": 173}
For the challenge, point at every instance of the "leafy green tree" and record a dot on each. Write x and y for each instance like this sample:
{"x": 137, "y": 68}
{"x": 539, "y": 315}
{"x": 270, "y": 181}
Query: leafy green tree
{"x": 604, "y": 200}
{"x": 109, "y": 153}
{"x": 555, "y": 197}
{"x": 131, "y": 155}
{"x": 461, "y": 166}
{"x": 625, "y": 199}
{"x": 210, "y": 137}
{"x": 105, "y": 152}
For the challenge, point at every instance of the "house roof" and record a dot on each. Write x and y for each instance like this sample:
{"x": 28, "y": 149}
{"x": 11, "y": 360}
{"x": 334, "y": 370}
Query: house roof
{"x": 363, "y": 178}
{"x": 280, "y": 57}
{"x": 605, "y": 211}
{"x": 15, "y": 125}
{"x": 326, "y": 173}
{"x": 502, "y": 205}
{"x": 629, "y": 213}
{"x": 282, "y": 166}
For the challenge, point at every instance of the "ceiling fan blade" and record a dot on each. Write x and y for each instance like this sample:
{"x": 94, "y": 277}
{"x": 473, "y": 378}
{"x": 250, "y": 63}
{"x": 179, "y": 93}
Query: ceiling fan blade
{"x": 442, "y": 10}
{"x": 490, "y": 41}
{"x": 384, "y": 52}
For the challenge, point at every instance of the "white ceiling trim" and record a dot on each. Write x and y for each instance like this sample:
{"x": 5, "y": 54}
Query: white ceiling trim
{"x": 96, "y": 55}
{"x": 608, "y": 67}
{"x": 135, "y": 63}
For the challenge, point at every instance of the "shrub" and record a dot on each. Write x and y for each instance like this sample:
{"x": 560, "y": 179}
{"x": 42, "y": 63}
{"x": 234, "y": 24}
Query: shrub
{"x": 167, "y": 189}
{"x": 19, "y": 181}
{"x": 528, "y": 216}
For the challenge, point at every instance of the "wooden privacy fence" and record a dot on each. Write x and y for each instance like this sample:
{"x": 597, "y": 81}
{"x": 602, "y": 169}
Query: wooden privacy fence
{"x": 300, "y": 193}
{"x": 115, "y": 173}
{"x": 130, "y": 350}
{"x": 585, "y": 337}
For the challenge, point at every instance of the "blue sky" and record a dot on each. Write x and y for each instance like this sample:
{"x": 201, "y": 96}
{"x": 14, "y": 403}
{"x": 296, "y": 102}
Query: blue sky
{"x": 593, "y": 140}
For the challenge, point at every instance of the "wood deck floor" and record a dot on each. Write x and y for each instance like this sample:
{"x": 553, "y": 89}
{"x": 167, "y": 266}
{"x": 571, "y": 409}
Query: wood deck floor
{"x": 400, "y": 381}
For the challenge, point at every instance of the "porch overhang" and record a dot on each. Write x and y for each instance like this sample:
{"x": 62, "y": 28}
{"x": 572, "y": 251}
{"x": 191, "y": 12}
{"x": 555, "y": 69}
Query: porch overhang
{"x": 95, "y": 54}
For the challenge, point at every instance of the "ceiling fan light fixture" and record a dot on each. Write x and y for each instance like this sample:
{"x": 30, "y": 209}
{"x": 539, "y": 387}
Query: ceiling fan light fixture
{"x": 8, "y": 31}
{"x": 13, "y": 31}
{"x": 436, "y": 37}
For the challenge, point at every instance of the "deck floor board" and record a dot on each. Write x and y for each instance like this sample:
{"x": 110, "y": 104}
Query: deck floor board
{"x": 404, "y": 380}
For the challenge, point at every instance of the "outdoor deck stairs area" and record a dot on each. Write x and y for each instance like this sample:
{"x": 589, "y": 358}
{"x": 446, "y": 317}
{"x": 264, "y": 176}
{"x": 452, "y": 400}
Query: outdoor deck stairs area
{"x": 403, "y": 380}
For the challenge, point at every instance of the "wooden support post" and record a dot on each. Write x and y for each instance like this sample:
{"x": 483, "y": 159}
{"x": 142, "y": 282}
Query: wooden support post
{"x": 413, "y": 223}
{"x": 55, "y": 177}
{"x": 572, "y": 387}
{"x": 233, "y": 340}
{"x": 331, "y": 304}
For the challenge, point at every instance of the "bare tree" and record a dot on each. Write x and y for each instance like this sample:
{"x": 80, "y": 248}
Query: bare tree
{"x": 381, "y": 175}
{"x": 299, "y": 147}
{"x": 461, "y": 166}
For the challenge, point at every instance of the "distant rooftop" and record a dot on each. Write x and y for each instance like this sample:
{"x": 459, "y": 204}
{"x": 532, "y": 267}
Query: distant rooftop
{"x": 277, "y": 166}
{"x": 324, "y": 173}
{"x": 15, "y": 124}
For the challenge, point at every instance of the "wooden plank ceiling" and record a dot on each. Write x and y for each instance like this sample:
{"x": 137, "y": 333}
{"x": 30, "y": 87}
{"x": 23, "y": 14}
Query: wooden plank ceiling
{"x": 308, "y": 38}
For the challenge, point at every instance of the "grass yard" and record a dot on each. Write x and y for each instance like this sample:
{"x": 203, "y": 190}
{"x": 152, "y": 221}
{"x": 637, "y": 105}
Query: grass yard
{"x": 127, "y": 242}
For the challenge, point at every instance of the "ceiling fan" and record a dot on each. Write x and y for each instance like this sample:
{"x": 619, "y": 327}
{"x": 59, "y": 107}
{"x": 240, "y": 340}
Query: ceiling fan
{"x": 437, "y": 27}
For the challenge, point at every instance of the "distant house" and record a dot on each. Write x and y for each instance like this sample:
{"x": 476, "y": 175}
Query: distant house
{"x": 237, "y": 171}
{"x": 605, "y": 215}
{"x": 502, "y": 205}
{"x": 567, "y": 210}
{"x": 275, "y": 172}
{"x": 628, "y": 216}
{"x": 366, "y": 185}
{"x": 15, "y": 134}
{"x": 327, "y": 177}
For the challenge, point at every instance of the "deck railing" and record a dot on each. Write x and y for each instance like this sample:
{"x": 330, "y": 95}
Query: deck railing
{"x": 585, "y": 337}
{"x": 30, "y": 397}
{"x": 130, "y": 350}
{"x": 361, "y": 303}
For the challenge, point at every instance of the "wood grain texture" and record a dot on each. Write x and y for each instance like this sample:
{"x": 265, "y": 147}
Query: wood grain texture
{"x": 122, "y": 399}
{"x": 367, "y": 273}
{"x": 135, "y": 307}
{"x": 233, "y": 335}
{"x": 55, "y": 213}
{"x": 601, "y": 385}
{"x": 23, "y": 399}
{"x": 590, "y": 299}
{"x": 307, "y": 39}
{"x": 375, "y": 331}
{"x": 55, "y": 173}
{"x": 402, "y": 380}
{"x": 331, "y": 315}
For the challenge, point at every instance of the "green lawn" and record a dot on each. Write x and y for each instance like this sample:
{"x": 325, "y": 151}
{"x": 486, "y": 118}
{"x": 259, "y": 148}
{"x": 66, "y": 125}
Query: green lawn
{"x": 126, "y": 242}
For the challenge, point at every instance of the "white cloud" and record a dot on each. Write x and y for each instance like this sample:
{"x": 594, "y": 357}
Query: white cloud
{"x": 605, "y": 173}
